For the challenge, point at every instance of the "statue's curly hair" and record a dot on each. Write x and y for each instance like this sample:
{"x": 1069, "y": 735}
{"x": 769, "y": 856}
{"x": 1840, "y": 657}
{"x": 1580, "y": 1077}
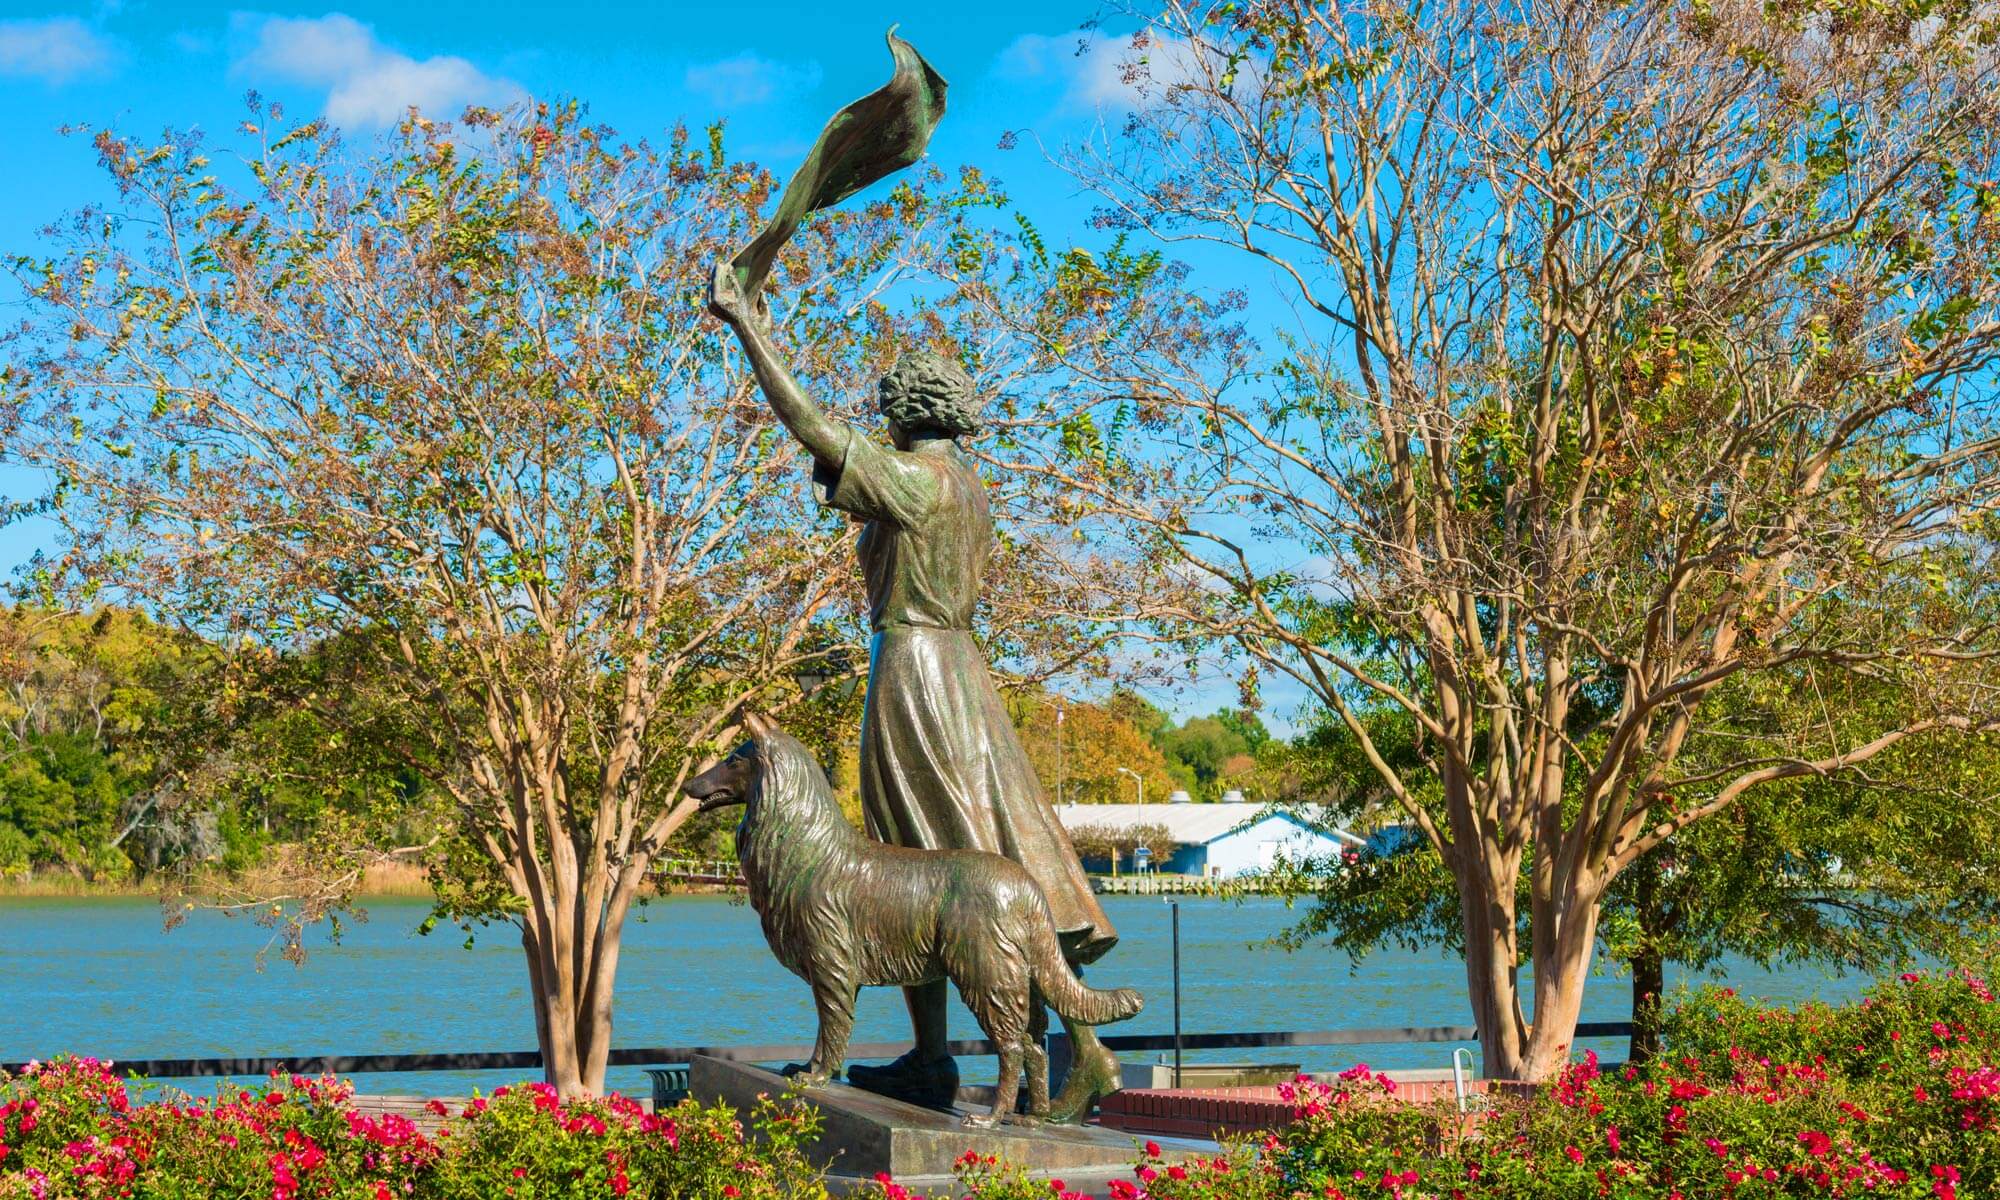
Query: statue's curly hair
{"x": 927, "y": 391}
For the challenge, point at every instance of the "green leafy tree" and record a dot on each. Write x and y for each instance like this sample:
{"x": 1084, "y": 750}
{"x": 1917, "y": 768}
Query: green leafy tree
{"x": 304, "y": 792}
{"x": 1865, "y": 871}
{"x": 81, "y": 695}
{"x": 1203, "y": 745}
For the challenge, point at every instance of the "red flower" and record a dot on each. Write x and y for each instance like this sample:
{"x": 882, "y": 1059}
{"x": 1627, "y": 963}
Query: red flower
{"x": 1816, "y": 1143}
{"x": 1946, "y": 1187}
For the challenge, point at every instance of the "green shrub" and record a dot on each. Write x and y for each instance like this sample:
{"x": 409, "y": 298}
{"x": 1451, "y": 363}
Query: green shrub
{"x": 526, "y": 1143}
{"x": 15, "y": 850}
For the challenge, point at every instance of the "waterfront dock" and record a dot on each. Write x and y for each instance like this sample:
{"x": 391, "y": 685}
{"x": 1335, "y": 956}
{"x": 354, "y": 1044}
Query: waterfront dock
{"x": 1150, "y": 884}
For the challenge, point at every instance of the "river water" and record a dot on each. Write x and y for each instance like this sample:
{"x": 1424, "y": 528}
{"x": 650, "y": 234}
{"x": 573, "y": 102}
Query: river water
{"x": 101, "y": 977}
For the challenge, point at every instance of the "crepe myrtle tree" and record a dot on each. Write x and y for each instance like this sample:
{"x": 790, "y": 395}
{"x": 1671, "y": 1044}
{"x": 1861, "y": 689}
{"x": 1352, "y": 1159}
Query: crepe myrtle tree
{"x": 1618, "y": 353}
{"x": 1873, "y": 869}
{"x": 452, "y": 402}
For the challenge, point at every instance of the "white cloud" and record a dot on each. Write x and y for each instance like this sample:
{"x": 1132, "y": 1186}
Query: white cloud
{"x": 748, "y": 78}
{"x": 1099, "y": 71}
{"x": 54, "y": 50}
{"x": 368, "y": 84}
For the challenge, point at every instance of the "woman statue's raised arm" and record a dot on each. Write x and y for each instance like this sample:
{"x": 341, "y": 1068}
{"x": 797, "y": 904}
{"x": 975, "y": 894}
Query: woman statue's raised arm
{"x": 817, "y": 432}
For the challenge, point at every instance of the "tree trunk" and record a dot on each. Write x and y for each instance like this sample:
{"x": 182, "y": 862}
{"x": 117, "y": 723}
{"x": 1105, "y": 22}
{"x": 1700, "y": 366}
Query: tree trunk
{"x": 1649, "y": 965}
{"x": 569, "y": 1028}
{"x": 573, "y": 1008}
{"x": 1492, "y": 979}
{"x": 535, "y": 990}
{"x": 1562, "y": 968}
{"x": 1649, "y": 981}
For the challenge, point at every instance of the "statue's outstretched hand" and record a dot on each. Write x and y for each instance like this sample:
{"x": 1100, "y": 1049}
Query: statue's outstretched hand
{"x": 725, "y": 295}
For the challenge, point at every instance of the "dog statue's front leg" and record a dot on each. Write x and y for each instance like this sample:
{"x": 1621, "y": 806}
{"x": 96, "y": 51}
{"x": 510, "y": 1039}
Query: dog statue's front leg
{"x": 834, "y": 998}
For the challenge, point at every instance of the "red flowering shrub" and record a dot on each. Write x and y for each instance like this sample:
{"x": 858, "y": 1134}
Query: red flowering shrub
{"x": 1353, "y": 1137}
{"x": 1898, "y": 1089}
{"x": 1897, "y": 1096}
{"x": 525, "y": 1142}
{"x": 69, "y": 1129}
{"x": 984, "y": 1177}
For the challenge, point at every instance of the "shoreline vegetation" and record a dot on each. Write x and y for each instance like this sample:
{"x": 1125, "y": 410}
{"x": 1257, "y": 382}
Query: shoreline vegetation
{"x": 387, "y": 881}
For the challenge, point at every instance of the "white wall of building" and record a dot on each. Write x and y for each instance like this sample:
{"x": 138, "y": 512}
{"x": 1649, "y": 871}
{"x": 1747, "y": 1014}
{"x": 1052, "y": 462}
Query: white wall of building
{"x": 1255, "y": 847}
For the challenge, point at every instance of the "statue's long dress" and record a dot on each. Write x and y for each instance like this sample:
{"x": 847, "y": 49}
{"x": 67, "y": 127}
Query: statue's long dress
{"x": 941, "y": 767}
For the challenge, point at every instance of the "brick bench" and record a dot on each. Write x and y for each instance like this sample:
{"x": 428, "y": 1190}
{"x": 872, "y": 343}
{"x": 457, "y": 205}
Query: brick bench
{"x": 1224, "y": 1112}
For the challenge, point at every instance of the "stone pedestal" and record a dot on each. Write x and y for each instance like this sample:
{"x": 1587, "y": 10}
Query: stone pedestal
{"x": 863, "y": 1134}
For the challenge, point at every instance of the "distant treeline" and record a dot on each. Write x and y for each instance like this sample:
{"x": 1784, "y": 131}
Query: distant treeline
{"x": 128, "y": 747}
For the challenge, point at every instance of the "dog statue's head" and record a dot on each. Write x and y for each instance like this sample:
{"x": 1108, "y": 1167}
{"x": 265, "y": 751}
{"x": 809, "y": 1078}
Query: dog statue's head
{"x": 770, "y": 755}
{"x": 732, "y": 780}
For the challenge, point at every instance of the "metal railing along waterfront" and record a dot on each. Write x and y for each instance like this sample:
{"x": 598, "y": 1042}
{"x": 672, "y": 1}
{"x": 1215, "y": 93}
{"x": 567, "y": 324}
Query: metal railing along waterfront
{"x": 722, "y": 871}
{"x": 653, "y": 1056}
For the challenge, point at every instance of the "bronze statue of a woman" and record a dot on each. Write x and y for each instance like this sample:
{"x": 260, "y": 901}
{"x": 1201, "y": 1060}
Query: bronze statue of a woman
{"x": 941, "y": 767}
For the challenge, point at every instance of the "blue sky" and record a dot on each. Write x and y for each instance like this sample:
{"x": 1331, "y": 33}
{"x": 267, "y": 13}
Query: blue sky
{"x": 773, "y": 71}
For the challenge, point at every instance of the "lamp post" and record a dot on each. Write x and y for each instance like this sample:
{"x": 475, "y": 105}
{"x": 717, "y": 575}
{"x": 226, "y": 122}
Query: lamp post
{"x": 1062, "y": 766}
{"x": 1141, "y": 781}
{"x": 1175, "y": 905}
{"x": 1137, "y": 778}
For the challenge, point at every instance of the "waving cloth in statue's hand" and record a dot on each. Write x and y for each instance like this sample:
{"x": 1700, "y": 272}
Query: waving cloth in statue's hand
{"x": 884, "y": 131}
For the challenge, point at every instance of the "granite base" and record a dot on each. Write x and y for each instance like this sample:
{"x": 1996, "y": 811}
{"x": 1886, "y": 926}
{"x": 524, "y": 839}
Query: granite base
{"x": 863, "y": 1134}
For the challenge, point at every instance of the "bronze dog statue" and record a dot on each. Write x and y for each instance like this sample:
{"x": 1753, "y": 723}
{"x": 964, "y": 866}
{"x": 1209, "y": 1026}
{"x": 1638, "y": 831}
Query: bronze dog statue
{"x": 843, "y": 911}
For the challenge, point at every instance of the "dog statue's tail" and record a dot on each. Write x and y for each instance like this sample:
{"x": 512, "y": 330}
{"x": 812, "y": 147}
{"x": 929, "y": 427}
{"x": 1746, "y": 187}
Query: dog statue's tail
{"x": 1068, "y": 995}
